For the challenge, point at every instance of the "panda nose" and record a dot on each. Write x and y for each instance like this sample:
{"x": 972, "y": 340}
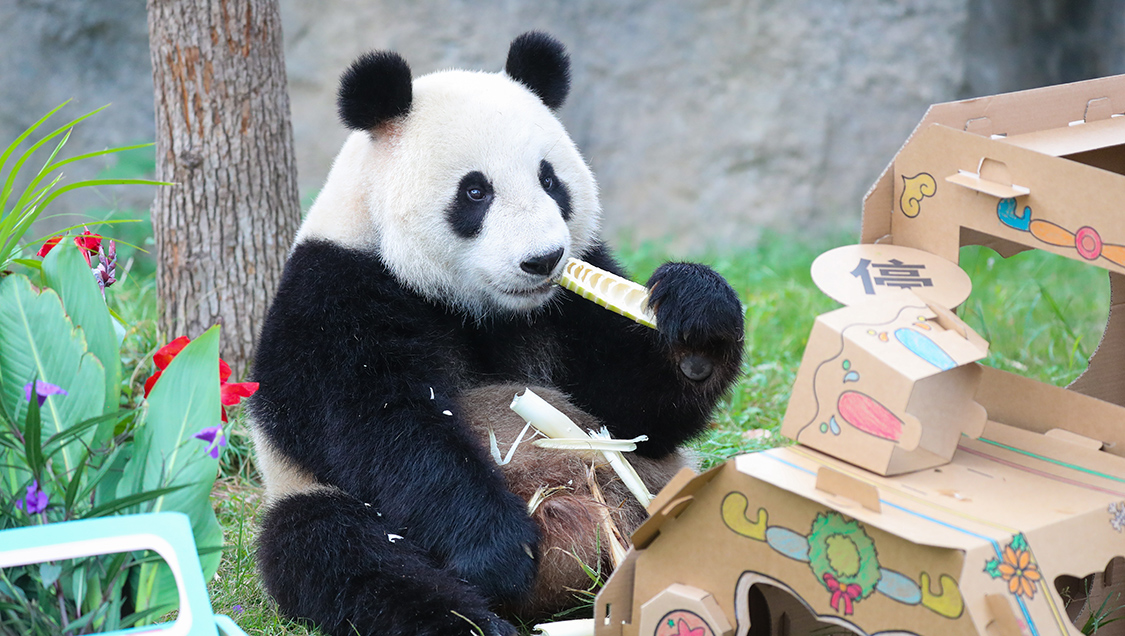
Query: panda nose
{"x": 543, "y": 264}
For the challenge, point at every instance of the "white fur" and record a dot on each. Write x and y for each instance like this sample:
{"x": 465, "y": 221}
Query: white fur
{"x": 389, "y": 189}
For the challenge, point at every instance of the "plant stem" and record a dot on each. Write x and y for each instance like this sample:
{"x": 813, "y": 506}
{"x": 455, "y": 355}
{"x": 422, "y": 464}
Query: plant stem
{"x": 62, "y": 605}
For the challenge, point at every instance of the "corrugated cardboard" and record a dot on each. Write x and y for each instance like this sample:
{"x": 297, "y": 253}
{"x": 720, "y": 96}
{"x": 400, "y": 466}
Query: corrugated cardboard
{"x": 925, "y": 563}
{"x": 975, "y": 501}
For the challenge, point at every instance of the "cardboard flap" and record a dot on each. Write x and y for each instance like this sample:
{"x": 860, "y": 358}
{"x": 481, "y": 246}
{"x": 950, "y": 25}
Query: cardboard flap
{"x": 614, "y": 603}
{"x": 670, "y": 489}
{"x": 837, "y": 483}
{"x": 1036, "y": 406}
{"x": 671, "y": 502}
{"x": 1073, "y": 139}
{"x": 978, "y": 183}
{"x": 1027, "y": 111}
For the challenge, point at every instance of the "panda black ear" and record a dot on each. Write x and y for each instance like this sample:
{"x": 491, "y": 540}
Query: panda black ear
{"x": 539, "y": 62}
{"x": 375, "y": 88}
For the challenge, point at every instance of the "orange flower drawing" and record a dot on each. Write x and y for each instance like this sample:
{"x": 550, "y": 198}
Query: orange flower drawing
{"x": 1020, "y": 573}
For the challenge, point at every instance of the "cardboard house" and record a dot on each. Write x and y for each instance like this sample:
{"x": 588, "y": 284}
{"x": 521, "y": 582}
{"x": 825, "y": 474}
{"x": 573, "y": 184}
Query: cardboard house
{"x": 927, "y": 493}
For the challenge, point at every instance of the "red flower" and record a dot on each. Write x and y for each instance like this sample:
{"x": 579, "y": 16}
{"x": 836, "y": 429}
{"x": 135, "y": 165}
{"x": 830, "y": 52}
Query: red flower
{"x": 48, "y": 246}
{"x": 230, "y": 393}
{"x": 87, "y": 241}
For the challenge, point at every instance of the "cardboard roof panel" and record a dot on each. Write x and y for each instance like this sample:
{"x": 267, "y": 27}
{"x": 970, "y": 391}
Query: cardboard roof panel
{"x": 1032, "y": 110}
{"x": 1072, "y": 139}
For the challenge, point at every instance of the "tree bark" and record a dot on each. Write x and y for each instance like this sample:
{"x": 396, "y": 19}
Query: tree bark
{"x": 224, "y": 138}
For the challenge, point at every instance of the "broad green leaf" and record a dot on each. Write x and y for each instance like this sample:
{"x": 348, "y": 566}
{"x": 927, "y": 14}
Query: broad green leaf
{"x": 32, "y": 437}
{"x": 37, "y": 339}
{"x": 66, "y": 271}
{"x": 182, "y": 403}
{"x": 49, "y": 573}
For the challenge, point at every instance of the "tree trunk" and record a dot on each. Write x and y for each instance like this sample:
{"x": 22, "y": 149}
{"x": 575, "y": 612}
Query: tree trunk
{"x": 223, "y": 137}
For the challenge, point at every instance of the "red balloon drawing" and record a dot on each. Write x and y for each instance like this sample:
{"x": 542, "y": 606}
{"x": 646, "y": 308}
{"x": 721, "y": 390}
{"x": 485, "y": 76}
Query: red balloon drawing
{"x": 868, "y": 415}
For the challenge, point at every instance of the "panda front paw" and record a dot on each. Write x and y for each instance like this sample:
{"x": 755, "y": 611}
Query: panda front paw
{"x": 505, "y": 566}
{"x": 699, "y": 314}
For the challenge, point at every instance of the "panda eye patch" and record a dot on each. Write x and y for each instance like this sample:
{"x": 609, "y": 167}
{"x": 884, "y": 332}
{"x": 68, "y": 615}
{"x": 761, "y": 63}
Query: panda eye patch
{"x": 555, "y": 188}
{"x": 547, "y": 176}
{"x": 466, "y": 212}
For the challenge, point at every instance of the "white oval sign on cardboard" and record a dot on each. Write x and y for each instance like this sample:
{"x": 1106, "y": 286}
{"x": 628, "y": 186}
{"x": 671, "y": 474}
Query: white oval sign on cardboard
{"x": 854, "y": 273}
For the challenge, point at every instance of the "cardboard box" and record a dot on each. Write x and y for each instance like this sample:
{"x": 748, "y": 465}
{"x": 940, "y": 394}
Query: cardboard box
{"x": 1021, "y": 530}
{"x": 1041, "y": 169}
{"x": 888, "y": 383}
{"x": 793, "y": 541}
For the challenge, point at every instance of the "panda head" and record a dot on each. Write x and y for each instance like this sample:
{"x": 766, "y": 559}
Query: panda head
{"x": 464, "y": 183}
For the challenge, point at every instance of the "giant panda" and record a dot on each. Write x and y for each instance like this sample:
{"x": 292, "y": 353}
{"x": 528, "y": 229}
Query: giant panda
{"x": 418, "y": 298}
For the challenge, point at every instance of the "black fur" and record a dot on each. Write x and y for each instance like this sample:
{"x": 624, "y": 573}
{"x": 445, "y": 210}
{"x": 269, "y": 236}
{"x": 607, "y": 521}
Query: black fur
{"x": 465, "y": 213}
{"x": 539, "y": 62}
{"x": 347, "y": 362}
{"x": 362, "y": 576}
{"x": 375, "y": 89}
{"x": 555, "y": 187}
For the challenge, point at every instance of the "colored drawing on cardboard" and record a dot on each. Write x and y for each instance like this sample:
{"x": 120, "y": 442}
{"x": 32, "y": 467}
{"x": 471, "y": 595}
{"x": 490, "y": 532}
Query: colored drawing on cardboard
{"x": 1086, "y": 240}
{"x": 829, "y": 624}
{"x": 922, "y": 346}
{"x": 914, "y": 189}
{"x": 866, "y": 414}
{"x": 1016, "y": 567}
{"x": 853, "y": 274}
{"x": 860, "y": 409}
{"x": 843, "y": 558}
{"x": 682, "y": 623}
{"x": 1117, "y": 516}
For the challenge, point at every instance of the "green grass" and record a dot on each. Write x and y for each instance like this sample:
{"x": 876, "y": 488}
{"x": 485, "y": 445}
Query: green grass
{"x": 1043, "y": 314}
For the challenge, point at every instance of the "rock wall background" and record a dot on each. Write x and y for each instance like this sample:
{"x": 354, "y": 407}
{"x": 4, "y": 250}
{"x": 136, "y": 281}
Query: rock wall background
{"x": 708, "y": 121}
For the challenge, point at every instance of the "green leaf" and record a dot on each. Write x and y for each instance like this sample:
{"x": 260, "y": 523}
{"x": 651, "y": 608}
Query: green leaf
{"x": 14, "y": 474}
{"x": 152, "y": 612}
{"x": 1019, "y": 542}
{"x": 105, "y": 482}
{"x": 32, "y": 434}
{"x": 49, "y": 573}
{"x": 128, "y": 501}
{"x": 992, "y": 567}
{"x": 72, "y": 487}
{"x": 37, "y": 340}
{"x": 30, "y": 263}
{"x": 65, "y": 271}
{"x": 183, "y": 402}
{"x": 61, "y": 439}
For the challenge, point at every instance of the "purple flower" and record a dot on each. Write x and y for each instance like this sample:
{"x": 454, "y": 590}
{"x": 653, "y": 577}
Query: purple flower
{"x": 35, "y": 502}
{"x": 236, "y": 609}
{"x": 214, "y": 437}
{"x": 105, "y": 273}
{"x": 42, "y": 390}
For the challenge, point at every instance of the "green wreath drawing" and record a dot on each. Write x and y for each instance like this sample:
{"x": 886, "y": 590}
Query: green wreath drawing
{"x": 844, "y": 559}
